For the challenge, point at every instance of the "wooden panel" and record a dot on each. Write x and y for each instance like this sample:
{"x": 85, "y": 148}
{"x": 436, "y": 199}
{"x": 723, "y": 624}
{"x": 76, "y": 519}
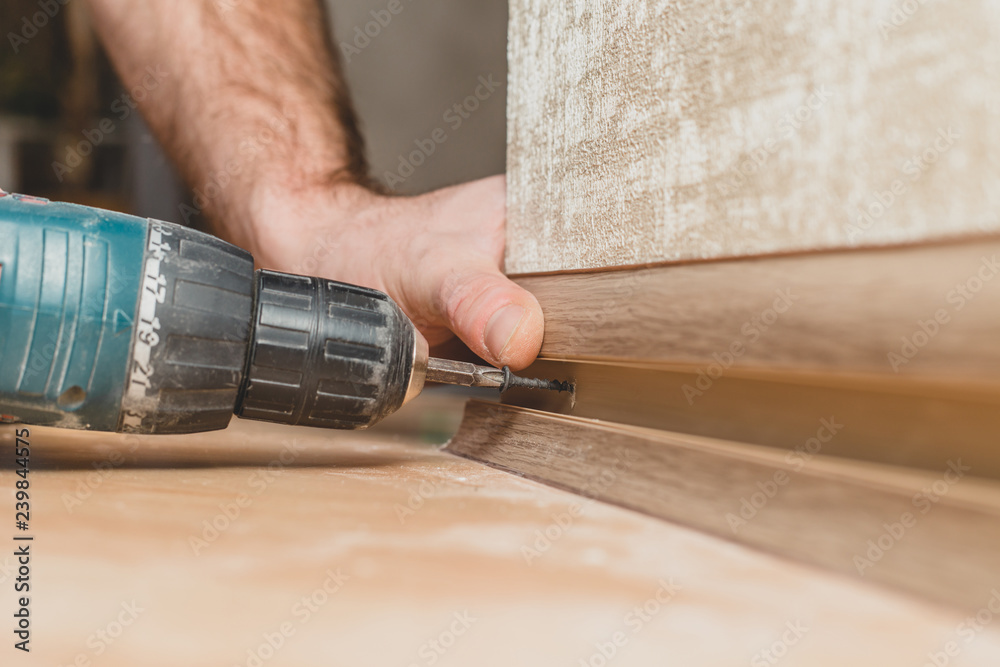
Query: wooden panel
{"x": 643, "y": 132}
{"x": 922, "y": 427}
{"x": 933, "y": 534}
{"x": 114, "y": 519}
{"x": 922, "y": 312}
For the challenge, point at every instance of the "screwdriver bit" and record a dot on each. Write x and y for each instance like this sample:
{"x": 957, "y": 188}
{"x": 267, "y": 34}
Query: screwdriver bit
{"x": 472, "y": 375}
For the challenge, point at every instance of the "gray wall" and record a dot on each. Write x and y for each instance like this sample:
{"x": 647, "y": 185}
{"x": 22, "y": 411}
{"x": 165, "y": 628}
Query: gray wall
{"x": 424, "y": 59}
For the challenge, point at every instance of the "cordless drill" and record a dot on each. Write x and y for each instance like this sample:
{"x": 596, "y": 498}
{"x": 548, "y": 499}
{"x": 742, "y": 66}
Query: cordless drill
{"x": 111, "y": 322}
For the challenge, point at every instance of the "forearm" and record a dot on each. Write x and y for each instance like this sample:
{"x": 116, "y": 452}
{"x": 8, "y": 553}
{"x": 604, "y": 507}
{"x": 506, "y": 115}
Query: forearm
{"x": 250, "y": 98}
{"x": 253, "y": 107}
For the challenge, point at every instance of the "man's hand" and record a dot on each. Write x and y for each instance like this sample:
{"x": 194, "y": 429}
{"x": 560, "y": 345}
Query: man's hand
{"x": 438, "y": 255}
{"x": 255, "y": 111}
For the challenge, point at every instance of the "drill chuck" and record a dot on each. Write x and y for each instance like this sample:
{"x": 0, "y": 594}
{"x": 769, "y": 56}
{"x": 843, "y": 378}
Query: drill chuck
{"x": 324, "y": 353}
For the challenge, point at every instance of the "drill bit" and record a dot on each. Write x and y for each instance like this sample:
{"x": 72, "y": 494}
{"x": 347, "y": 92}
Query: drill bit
{"x": 471, "y": 375}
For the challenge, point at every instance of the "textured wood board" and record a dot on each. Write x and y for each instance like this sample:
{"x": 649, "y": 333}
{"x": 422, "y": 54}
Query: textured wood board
{"x": 901, "y": 314}
{"x": 939, "y": 545}
{"x": 334, "y": 507}
{"x": 919, "y": 426}
{"x": 650, "y": 131}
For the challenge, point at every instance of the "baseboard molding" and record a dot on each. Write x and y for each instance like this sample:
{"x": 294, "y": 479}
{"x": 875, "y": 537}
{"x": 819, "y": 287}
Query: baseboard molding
{"x": 907, "y": 424}
{"x": 827, "y": 314}
{"x": 932, "y": 534}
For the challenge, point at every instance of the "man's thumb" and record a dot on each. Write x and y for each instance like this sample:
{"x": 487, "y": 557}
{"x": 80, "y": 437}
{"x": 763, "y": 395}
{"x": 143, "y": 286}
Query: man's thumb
{"x": 498, "y": 320}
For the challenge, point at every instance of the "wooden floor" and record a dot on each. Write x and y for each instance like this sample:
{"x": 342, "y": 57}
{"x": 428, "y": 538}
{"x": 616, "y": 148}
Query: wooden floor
{"x": 377, "y": 550}
{"x": 933, "y": 534}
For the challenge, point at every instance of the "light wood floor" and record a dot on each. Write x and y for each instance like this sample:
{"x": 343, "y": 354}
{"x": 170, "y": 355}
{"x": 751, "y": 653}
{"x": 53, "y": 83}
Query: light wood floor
{"x": 453, "y": 574}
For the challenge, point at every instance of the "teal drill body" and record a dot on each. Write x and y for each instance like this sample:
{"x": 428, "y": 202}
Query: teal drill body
{"x": 69, "y": 284}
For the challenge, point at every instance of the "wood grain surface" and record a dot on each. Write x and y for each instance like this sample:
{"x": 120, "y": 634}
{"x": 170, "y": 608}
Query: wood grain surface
{"x": 902, "y": 313}
{"x": 643, "y": 132}
{"x": 935, "y": 535}
{"x": 488, "y": 569}
{"x": 908, "y": 424}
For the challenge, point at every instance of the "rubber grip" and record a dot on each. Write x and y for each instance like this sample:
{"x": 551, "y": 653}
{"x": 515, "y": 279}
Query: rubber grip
{"x": 325, "y": 354}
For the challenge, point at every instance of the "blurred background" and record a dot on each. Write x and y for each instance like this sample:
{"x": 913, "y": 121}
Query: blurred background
{"x": 56, "y": 86}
